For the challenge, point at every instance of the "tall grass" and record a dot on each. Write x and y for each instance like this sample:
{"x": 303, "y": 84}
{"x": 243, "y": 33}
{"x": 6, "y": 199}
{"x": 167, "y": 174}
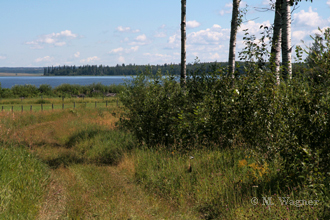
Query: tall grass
{"x": 222, "y": 184}
{"x": 23, "y": 181}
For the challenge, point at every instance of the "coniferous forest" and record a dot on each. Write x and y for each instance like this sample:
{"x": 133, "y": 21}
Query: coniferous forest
{"x": 130, "y": 69}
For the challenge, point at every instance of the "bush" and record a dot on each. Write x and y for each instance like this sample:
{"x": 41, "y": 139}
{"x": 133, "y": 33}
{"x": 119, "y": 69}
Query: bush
{"x": 46, "y": 89}
{"x": 289, "y": 122}
{"x": 25, "y": 91}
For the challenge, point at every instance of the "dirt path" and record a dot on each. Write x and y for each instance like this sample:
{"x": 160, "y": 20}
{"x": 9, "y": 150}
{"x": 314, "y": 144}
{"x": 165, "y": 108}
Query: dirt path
{"x": 103, "y": 192}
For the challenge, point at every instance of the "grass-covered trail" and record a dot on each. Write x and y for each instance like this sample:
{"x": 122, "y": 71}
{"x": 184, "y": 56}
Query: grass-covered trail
{"x": 78, "y": 168}
{"x": 102, "y": 192}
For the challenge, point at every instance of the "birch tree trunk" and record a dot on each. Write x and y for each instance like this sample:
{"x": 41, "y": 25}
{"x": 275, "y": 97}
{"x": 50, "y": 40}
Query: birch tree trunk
{"x": 275, "y": 57}
{"x": 286, "y": 39}
{"x": 183, "y": 43}
{"x": 233, "y": 33}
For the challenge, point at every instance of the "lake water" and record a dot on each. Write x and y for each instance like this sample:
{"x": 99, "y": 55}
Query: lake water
{"x": 9, "y": 81}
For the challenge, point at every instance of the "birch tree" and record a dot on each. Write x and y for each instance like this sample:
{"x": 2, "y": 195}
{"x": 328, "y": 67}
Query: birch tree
{"x": 277, "y": 41}
{"x": 233, "y": 33}
{"x": 286, "y": 39}
{"x": 183, "y": 43}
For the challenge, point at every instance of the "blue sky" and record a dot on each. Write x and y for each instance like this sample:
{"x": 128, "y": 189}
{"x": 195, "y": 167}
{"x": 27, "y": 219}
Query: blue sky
{"x": 108, "y": 32}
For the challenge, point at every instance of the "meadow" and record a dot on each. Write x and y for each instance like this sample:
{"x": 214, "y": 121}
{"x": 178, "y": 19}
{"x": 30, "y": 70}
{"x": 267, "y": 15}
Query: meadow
{"x": 215, "y": 147}
{"x": 81, "y": 163}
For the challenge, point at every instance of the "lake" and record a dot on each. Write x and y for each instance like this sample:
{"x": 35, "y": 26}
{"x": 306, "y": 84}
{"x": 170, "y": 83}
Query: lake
{"x": 9, "y": 81}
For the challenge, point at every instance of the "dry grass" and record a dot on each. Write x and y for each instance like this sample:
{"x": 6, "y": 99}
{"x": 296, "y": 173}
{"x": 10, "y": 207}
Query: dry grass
{"x": 55, "y": 200}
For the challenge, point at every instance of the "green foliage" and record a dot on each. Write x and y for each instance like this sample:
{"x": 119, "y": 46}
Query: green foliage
{"x": 6, "y": 93}
{"x": 66, "y": 90}
{"x": 46, "y": 89}
{"x": 25, "y": 90}
{"x": 287, "y": 122}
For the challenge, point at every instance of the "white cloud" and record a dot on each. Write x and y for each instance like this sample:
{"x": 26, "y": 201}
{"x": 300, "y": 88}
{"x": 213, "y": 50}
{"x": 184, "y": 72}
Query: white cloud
{"x": 209, "y": 44}
{"x": 299, "y": 35}
{"x": 310, "y": 18}
{"x": 77, "y": 54}
{"x": 160, "y": 34}
{"x": 214, "y": 56}
{"x": 117, "y": 50}
{"x": 121, "y": 50}
{"x": 3, "y": 57}
{"x": 89, "y": 59}
{"x": 227, "y": 10}
{"x": 140, "y": 40}
{"x": 193, "y": 24}
{"x": 253, "y": 27}
{"x": 157, "y": 55}
{"x": 66, "y": 33}
{"x": 44, "y": 59}
{"x": 266, "y": 2}
{"x": 124, "y": 40}
{"x": 121, "y": 59}
{"x": 173, "y": 41}
{"x": 160, "y": 58}
{"x": 54, "y": 39}
{"x": 127, "y": 29}
{"x": 229, "y": 5}
{"x": 328, "y": 3}
{"x": 134, "y": 48}
{"x": 141, "y": 37}
{"x": 60, "y": 44}
{"x": 208, "y": 36}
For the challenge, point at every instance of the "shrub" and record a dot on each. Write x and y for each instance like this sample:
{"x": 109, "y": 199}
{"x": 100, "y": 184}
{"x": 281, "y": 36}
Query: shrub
{"x": 46, "y": 89}
{"x": 25, "y": 90}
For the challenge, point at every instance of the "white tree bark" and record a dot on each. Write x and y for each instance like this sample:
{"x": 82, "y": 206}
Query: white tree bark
{"x": 286, "y": 39}
{"x": 183, "y": 43}
{"x": 233, "y": 33}
{"x": 275, "y": 58}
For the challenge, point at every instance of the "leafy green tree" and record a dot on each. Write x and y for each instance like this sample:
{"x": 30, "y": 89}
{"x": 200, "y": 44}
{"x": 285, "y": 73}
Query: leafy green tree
{"x": 315, "y": 50}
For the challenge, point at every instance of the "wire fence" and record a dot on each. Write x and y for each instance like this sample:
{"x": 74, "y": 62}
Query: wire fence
{"x": 52, "y": 106}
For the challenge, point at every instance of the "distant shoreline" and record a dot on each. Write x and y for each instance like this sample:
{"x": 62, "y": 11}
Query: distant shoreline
{"x": 41, "y": 74}
{"x": 21, "y": 74}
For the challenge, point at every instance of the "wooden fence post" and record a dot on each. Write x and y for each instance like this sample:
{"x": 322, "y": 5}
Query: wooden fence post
{"x": 106, "y": 103}
{"x": 52, "y": 106}
{"x": 12, "y": 108}
{"x": 30, "y": 108}
{"x": 2, "y": 109}
{"x": 95, "y": 104}
{"x": 62, "y": 105}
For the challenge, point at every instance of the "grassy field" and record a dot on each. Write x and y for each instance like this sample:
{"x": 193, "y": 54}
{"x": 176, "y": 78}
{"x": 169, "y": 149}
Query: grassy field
{"x": 78, "y": 164}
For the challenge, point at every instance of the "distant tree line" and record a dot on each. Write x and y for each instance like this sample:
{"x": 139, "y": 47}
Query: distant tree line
{"x": 123, "y": 69}
{"x": 21, "y": 69}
